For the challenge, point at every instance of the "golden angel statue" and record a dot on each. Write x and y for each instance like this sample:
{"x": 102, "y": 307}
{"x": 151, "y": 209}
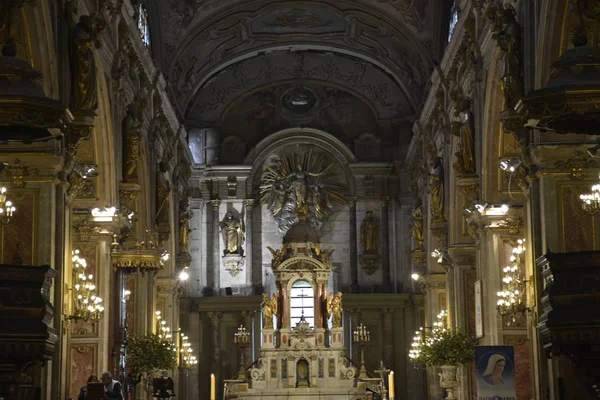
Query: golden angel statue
{"x": 334, "y": 308}
{"x": 269, "y": 308}
{"x": 296, "y": 182}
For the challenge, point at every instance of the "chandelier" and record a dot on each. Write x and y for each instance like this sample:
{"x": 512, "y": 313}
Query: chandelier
{"x": 427, "y": 336}
{"x": 87, "y": 306}
{"x": 6, "y": 208}
{"x": 510, "y": 302}
{"x": 187, "y": 360}
{"x": 591, "y": 201}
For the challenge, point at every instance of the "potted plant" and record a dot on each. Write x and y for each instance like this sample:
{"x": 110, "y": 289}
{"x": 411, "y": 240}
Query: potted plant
{"x": 444, "y": 348}
{"x": 149, "y": 353}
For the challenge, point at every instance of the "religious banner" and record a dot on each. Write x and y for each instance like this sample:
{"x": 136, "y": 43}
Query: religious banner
{"x": 495, "y": 370}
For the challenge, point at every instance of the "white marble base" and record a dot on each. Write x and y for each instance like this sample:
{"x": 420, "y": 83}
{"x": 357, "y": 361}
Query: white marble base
{"x": 305, "y": 394}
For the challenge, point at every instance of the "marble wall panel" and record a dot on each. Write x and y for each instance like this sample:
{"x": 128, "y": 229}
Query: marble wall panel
{"x": 83, "y": 364}
{"x": 522, "y": 364}
{"x": 130, "y": 307}
{"x": 578, "y": 227}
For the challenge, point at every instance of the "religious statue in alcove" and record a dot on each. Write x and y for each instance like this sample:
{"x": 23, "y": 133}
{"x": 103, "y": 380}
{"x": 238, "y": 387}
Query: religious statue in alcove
{"x": 295, "y": 181}
{"x": 369, "y": 238}
{"x": 463, "y": 130}
{"x": 233, "y": 234}
{"x": 131, "y": 132}
{"x": 84, "y": 37}
{"x": 436, "y": 190}
{"x": 507, "y": 33}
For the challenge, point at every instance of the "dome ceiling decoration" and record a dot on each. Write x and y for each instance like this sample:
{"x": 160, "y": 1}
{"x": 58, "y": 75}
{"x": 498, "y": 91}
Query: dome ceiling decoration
{"x": 216, "y": 51}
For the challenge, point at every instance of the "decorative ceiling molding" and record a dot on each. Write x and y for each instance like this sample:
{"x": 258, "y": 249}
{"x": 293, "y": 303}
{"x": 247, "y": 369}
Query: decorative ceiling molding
{"x": 386, "y": 97}
{"x": 209, "y": 50}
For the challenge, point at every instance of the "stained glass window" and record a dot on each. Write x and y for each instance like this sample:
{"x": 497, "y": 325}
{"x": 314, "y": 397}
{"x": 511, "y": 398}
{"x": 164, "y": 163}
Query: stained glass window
{"x": 142, "y": 23}
{"x": 453, "y": 20}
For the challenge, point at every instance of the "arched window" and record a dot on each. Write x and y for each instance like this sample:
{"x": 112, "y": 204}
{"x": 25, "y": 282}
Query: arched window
{"x": 453, "y": 20}
{"x": 142, "y": 22}
{"x": 302, "y": 302}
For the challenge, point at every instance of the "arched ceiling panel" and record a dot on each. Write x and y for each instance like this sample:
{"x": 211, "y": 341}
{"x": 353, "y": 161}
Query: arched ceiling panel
{"x": 217, "y": 42}
{"x": 371, "y": 83}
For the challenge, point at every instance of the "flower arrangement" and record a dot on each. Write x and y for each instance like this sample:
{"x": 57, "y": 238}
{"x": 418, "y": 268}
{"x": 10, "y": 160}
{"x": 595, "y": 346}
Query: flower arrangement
{"x": 441, "y": 346}
{"x": 150, "y": 352}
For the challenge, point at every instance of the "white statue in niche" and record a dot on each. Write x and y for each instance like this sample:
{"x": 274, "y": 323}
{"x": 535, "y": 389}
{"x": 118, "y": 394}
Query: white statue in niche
{"x": 233, "y": 234}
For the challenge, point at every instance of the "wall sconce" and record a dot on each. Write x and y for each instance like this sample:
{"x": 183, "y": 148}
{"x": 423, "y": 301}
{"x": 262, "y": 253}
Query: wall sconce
{"x": 87, "y": 306}
{"x": 509, "y": 164}
{"x": 438, "y": 255}
{"x": 7, "y": 209}
{"x": 86, "y": 170}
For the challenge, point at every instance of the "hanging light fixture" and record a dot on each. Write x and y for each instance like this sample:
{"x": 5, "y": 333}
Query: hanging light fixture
{"x": 510, "y": 302}
{"x": 591, "y": 201}
{"x": 87, "y": 306}
{"x": 7, "y": 209}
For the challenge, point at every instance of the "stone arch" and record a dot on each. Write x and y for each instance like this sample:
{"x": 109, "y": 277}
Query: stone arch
{"x": 323, "y": 140}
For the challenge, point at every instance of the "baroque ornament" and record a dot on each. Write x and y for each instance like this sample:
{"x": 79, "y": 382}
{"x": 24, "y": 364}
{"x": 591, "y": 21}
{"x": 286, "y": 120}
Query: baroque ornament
{"x": 301, "y": 181}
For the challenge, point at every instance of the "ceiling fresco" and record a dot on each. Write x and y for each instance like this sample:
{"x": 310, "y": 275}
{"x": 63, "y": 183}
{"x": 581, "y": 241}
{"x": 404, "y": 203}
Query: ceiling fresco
{"x": 217, "y": 51}
{"x": 299, "y": 104}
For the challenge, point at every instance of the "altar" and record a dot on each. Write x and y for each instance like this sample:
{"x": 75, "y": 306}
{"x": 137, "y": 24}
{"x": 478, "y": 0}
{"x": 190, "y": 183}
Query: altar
{"x": 303, "y": 352}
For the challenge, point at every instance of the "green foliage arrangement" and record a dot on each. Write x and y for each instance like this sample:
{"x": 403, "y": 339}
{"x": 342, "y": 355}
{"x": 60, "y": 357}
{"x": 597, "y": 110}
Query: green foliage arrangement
{"x": 449, "y": 347}
{"x": 440, "y": 346}
{"x": 148, "y": 353}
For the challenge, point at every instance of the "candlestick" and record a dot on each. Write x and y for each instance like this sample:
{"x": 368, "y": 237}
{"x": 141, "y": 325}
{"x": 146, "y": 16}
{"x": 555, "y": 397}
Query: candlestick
{"x": 212, "y": 387}
{"x": 391, "y": 387}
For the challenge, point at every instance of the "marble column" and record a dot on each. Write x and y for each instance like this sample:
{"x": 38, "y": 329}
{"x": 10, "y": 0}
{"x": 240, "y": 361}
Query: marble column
{"x": 385, "y": 243}
{"x": 246, "y": 322}
{"x": 250, "y": 273}
{"x": 353, "y": 247}
{"x": 388, "y": 340}
{"x": 215, "y": 321}
{"x": 355, "y": 317}
{"x": 216, "y": 260}
{"x": 319, "y": 306}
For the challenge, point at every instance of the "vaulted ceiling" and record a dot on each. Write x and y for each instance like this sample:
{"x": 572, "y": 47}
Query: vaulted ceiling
{"x": 215, "y": 52}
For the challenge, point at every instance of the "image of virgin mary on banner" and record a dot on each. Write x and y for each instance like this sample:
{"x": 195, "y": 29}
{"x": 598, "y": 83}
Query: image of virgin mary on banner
{"x": 495, "y": 372}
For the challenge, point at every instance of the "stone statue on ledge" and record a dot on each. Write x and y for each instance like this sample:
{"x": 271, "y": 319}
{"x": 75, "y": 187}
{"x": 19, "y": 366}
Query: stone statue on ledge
{"x": 233, "y": 234}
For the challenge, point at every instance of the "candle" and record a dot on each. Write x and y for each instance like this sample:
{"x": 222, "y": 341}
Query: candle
{"x": 212, "y": 387}
{"x": 391, "y": 388}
